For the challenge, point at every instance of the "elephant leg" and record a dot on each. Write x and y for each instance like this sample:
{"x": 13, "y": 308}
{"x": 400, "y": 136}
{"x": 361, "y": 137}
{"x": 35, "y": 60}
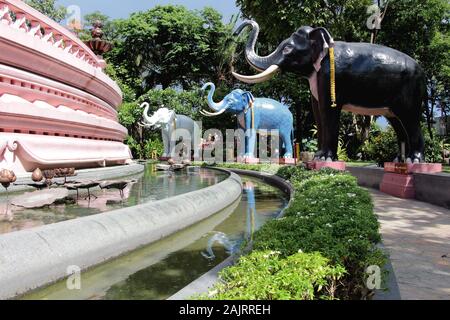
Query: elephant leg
{"x": 330, "y": 129}
{"x": 316, "y": 113}
{"x": 401, "y": 137}
{"x": 166, "y": 142}
{"x": 250, "y": 136}
{"x": 416, "y": 145}
{"x": 196, "y": 141}
{"x": 172, "y": 145}
{"x": 286, "y": 137}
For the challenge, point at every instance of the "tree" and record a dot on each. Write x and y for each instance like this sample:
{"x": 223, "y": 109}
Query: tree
{"x": 421, "y": 29}
{"x": 169, "y": 46}
{"x": 49, "y": 8}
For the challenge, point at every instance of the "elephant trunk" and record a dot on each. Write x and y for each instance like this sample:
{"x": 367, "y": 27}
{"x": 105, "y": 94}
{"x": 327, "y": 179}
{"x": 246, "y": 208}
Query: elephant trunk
{"x": 148, "y": 120}
{"x": 217, "y": 107}
{"x": 267, "y": 65}
{"x": 256, "y": 61}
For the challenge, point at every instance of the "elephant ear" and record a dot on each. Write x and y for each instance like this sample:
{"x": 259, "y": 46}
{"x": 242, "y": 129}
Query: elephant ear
{"x": 249, "y": 97}
{"x": 321, "y": 41}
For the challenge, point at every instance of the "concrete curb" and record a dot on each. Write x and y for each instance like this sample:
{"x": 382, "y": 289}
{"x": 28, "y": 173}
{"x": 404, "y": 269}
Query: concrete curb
{"x": 33, "y": 258}
{"x": 209, "y": 279}
{"x": 84, "y": 174}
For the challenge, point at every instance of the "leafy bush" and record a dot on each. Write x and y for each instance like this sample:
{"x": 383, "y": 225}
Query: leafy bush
{"x": 433, "y": 146}
{"x": 330, "y": 215}
{"x": 381, "y": 146}
{"x": 267, "y": 275}
{"x": 310, "y": 145}
{"x": 333, "y": 216}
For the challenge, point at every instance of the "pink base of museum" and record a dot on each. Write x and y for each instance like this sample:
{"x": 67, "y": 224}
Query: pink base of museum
{"x": 57, "y": 106}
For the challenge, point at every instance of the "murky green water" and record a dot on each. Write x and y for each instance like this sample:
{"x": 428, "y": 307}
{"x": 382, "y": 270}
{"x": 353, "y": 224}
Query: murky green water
{"x": 160, "y": 270}
{"x": 151, "y": 185}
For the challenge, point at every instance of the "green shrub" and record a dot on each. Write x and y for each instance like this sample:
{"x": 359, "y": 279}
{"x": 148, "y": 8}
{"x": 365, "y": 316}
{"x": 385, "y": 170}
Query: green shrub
{"x": 381, "y": 146}
{"x": 286, "y": 172}
{"x": 433, "y": 146}
{"x": 331, "y": 215}
{"x": 267, "y": 275}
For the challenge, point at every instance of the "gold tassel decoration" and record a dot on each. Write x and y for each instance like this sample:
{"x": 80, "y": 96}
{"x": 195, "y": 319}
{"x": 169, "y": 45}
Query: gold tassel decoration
{"x": 333, "y": 77}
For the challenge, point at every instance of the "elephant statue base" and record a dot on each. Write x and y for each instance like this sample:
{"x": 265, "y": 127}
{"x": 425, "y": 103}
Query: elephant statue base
{"x": 398, "y": 179}
{"x": 280, "y": 161}
{"x": 318, "y": 165}
{"x": 248, "y": 160}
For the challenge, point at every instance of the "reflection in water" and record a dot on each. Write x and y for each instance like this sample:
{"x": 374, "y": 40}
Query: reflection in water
{"x": 222, "y": 239}
{"x": 165, "y": 267}
{"x": 150, "y": 186}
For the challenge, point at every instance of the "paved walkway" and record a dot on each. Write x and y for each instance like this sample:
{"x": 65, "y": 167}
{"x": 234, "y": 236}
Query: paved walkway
{"x": 417, "y": 237}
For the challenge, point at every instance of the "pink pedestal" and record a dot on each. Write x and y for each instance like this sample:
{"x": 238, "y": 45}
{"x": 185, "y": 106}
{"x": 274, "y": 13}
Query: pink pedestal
{"x": 248, "y": 160}
{"x": 412, "y": 167}
{"x": 398, "y": 185}
{"x": 287, "y": 161}
{"x": 317, "y": 165}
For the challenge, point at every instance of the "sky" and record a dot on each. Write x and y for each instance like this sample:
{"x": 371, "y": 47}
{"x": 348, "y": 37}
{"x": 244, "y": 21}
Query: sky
{"x": 122, "y": 9}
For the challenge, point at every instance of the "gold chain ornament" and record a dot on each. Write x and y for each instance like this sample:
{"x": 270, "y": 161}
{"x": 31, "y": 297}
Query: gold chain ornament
{"x": 333, "y": 77}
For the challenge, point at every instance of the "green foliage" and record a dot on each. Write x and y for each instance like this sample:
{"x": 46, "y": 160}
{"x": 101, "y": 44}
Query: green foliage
{"x": 421, "y": 29}
{"x": 169, "y": 45}
{"x": 329, "y": 215}
{"x": 433, "y": 146}
{"x": 182, "y": 102}
{"x": 381, "y": 146}
{"x": 310, "y": 145}
{"x": 267, "y": 275}
{"x": 342, "y": 151}
{"x": 49, "y": 8}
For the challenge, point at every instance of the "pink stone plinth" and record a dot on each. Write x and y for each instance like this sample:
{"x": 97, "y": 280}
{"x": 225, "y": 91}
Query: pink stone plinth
{"x": 248, "y": 160}
{"x": 398, "y": 185}
{"x": 288, "y": 161}
{"x": 317, "y": 165}
{"x": 407, "y": 168}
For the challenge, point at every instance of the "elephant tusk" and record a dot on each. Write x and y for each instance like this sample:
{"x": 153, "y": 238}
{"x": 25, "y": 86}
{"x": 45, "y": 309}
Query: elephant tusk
{"x": 209, "y": 114}
{"x": 143, "y": 125}
{"x": 264, "y": 76}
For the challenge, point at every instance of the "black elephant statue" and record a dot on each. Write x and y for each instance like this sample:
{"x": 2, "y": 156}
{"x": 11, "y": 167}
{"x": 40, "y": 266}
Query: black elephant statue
{"x": 369, "y": 80}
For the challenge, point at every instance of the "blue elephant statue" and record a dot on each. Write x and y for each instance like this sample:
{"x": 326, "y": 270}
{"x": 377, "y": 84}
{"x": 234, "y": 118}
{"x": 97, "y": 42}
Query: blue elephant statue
{"x": 267, "y": 114}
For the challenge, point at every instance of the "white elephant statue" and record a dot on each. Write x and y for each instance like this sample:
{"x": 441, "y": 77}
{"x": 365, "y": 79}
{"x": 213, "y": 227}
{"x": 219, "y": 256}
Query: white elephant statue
{"x": 173, "y": 127}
